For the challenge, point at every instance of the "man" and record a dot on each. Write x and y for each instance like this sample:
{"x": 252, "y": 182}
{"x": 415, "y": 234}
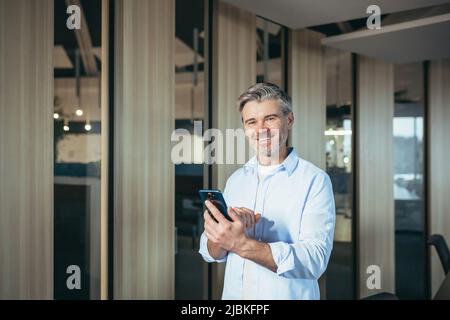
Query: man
{"x": 281, "y": 236}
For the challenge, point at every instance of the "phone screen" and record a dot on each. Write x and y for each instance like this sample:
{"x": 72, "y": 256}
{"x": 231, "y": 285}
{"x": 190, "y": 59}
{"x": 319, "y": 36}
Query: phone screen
{"x": 216, "y": 198}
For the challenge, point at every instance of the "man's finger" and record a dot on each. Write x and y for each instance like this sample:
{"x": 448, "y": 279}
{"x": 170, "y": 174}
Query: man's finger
{"x": 210, "y": 236}
{"x": 233, "y": 214}
{"x": 246, "y": 210}
{"x": 215, "y": 212}
{"x": 253, "y": 218}
{"x": 208, "y": 217}
{"x": 250, "y": 217}
{"x": 242, "y": 215}
{"x": 211, "y": 224}
{"x": 211, "y": 229}
{"x": 256, "y": 215}
{"x": 240, "y": 211}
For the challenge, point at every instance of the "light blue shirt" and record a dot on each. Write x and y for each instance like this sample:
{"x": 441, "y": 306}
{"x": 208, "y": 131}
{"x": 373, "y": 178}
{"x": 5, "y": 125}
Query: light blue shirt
{"x": 298, "y": 218}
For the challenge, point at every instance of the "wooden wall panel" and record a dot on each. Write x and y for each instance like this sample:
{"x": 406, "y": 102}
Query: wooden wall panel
{"x": 26, "y": 149}
{"x": 375, "y": 212}
{"x": 144, "y": 173}
{"x": 439, "y": 155}
{"x": 307, "y": 87}
{"x": 104, "y": 270}
{"x": 234, "y": 70}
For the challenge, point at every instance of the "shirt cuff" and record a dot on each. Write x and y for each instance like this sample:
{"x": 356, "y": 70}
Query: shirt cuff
{"x": 204, "y": 250}
{"x": 283, "y": 256}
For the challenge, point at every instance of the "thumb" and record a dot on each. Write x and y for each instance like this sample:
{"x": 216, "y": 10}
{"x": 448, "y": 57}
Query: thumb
{"x": 257, "y": 217}
{"x": 233, "y": 215}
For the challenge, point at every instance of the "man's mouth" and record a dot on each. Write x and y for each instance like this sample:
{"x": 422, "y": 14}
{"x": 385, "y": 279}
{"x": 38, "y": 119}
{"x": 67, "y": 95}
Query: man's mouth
{"x": 264, "y": 140}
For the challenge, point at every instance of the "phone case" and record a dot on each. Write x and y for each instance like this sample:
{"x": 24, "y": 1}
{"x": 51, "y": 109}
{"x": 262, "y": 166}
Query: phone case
{"x": 216, "y": 198}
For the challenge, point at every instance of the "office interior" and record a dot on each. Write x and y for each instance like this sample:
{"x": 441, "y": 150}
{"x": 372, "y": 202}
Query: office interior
{"x": 87, "y": 116}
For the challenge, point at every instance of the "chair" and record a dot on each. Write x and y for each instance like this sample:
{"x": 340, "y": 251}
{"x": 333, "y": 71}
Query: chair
{"x": 381, "y": 296}
{"x": 438, "y": 241}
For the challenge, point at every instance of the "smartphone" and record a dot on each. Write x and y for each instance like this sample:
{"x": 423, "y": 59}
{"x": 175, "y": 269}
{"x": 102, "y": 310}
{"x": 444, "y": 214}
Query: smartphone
{"x": 216, "y": 198}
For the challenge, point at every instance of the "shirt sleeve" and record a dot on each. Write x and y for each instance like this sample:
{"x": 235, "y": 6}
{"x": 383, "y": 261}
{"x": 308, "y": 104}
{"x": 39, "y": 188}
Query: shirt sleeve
{"x": 204, "y": 250}
{"x": 308, "y": 257}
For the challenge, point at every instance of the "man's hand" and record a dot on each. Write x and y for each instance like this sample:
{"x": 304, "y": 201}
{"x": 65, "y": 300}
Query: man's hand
{"x": 225, "y": 235}
{"x": 228, "y": 235}
{"x": 247, "y": 216}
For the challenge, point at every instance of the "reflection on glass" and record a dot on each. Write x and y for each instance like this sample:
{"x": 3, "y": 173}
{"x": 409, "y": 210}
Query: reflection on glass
{"x": 190, "y": 269}
{"x": 410, "y": 242}
{"x": 268, "y": 53}
{"x": 338, "y": 147}
{"x": 77, "y": 131}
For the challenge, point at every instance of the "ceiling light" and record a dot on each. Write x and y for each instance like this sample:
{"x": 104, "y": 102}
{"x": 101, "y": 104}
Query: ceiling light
{"x": 339, "y": 132}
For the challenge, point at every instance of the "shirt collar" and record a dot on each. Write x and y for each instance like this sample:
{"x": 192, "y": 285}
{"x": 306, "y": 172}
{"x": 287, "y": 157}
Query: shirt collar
{"x": 289, "y": 164}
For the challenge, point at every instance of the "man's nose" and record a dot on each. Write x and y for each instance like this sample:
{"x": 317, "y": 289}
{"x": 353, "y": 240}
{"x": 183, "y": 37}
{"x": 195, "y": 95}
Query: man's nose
{"x": 263, "y": 131}
{"x": 260, "y": 126}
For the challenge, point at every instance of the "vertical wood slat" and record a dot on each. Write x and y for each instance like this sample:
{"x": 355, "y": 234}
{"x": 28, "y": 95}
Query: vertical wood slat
{"x": 376, "y": 234}
{"x": 234, "y": 70}
{"x": 307, "y": 87}
{"x": 439, "y": 172}
{"x": 26, "y": 149}
{"x": 104, "y": 152}
{"x": 144, "y": 173}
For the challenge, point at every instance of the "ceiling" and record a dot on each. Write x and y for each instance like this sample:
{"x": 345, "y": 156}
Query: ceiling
{"x": 297, "y": 14}
{"x": 417, "y": 40}
{"x": 65, "y": 40}
{"x": 189, "y": 15}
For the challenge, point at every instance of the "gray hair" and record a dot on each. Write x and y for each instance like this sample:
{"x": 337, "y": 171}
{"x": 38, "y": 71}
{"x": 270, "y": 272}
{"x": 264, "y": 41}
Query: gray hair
{"x": 266, "y": 91}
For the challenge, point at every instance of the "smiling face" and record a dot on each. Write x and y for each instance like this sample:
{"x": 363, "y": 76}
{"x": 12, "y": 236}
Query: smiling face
{"x": 266, "y": 127}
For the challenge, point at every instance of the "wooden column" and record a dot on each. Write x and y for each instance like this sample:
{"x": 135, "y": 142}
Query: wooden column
{"x": 26, "y": 149}
{"x": 104, "y": 270}
{"x": 374, "y": 152}
{"x": 307, "y": 87}
{"x": 143, "y": 171}
{"x": 234, "y": 70}
{"x": 439, "y": 155}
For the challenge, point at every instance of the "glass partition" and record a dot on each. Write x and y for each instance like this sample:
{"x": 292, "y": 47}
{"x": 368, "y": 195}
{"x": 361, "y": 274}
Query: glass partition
{"x": 190, "y": 269}
{"x": 269, "y": 60}
{"x": 408, "y": 131}
{"x": 340, "y": 275}
{"x": 77, "y": 132}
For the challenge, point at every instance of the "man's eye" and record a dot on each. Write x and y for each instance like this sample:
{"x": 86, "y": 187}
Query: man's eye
{"x": 271, "y": 118}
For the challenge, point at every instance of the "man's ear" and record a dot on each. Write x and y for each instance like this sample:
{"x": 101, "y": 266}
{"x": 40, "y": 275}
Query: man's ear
{"x": 290, "y": 120}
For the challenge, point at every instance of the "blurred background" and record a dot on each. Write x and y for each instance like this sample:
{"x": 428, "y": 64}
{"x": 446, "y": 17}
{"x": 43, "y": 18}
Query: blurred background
{"x": 87, "y": 115}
